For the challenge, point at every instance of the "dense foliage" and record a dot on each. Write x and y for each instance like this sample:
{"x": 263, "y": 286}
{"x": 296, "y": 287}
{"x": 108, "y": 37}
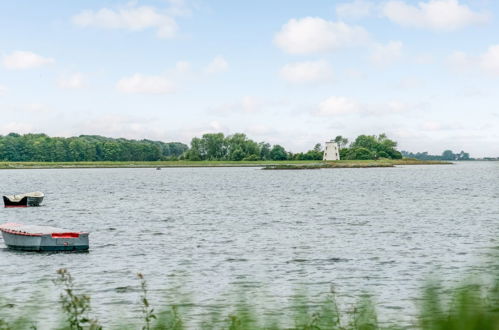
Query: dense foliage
{"x": 216, "y": 146}
{"x": 41, "y": 148}
{"x": 446, "y": 155}
{"x": 210, "y": 147}
{"x": 235, "y": 147}
{"x": 366, "y": 147}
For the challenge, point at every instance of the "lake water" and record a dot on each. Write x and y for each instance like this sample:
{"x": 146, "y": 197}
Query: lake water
{"x": 208, "y": 232}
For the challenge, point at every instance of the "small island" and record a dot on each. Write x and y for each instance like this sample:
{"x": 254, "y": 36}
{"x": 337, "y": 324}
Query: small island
{"x": 39, "y": 151}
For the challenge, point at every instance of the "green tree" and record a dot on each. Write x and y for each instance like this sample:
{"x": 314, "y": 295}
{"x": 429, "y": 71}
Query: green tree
{"x": 264, "y": 150}
{"x": 341, "y": 141}
{"x": 378, "y": 146}
{"x": 359, "y": 153}
{"x": 237, "y": 154}
{"x": 278, "y": 153}
{"x": 448, "y": 155}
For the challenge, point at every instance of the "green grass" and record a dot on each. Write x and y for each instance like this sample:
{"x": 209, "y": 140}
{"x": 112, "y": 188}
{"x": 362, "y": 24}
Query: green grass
{"x": 468, "y": 306}
{"x": 185, "y": 163}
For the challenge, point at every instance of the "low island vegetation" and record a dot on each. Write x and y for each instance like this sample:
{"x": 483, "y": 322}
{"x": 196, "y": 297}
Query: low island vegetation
{"x": 209, "y": 150}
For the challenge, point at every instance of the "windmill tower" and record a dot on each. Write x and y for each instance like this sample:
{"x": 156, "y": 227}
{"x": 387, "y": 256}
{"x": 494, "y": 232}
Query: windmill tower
{"x": 331, "y": 151}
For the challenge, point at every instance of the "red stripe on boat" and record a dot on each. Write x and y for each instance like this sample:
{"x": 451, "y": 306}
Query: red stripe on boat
{"x": 65, "y": 235}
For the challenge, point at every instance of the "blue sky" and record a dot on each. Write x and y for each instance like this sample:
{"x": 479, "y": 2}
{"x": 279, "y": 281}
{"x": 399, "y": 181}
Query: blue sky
{"x": 288, "y": 72}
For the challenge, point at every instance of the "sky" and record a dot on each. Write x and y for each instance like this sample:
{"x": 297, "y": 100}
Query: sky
{"x": 287, "y": 72}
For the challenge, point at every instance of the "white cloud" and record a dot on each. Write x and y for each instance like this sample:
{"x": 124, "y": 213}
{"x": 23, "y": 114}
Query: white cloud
{"x": 490, "y": 60}
{"x": 179, "y": 8}
{"x": 16, "y": 127}
{"x": 336, "y": 105}
{"x": 355, "y": 10}
{"x": 442, "y": 15}
{"x": 35, "y": 108}
{"x": 423, "y": 59}
{"x": 218, "y": 64}
{"x": 250, "y": 104}
{"x": 140, "y": 84}
{"x": 260, "y": 129}
{"x": 183, "y": 66}
{"x": 3, "y": 89}
{"x": 394, "y": 107}
{"x": 247, "y": 104}
{"x": 408, "y": 83}
{"x": 129, "y": 18}
{"x": 431, "y": 126}
{"x": 307, "y": 72}
{"x": 73, "y": 81}
{"x": 386, "y": 54}
{"x": 22, "y": 60}
{"x": 460, "y": 60}
{"x": 215, "y": 126}
{"x": 314, "y": 35}
{"x": 120, "y": 125}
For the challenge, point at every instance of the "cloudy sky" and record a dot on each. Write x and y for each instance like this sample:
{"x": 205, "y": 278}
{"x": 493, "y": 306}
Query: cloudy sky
{"x": 284, "y": 71}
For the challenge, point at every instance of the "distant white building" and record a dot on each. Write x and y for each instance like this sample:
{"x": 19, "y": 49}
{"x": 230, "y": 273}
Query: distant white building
{"x": 332, "y": 151}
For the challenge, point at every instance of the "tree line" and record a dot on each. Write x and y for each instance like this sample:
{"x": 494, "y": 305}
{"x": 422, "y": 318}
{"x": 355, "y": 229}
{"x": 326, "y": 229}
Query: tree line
{"x": 237, "y": 147}
{"x": 368, "y": 147}
{"x": 208, "y": 147}
{"x": 446, "y": 155}
{"x": 42, "y": 148}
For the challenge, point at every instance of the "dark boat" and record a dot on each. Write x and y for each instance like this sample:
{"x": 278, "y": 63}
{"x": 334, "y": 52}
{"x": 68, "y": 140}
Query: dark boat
{"x": 43, "y": 238}
{"x": 23, "y": 200}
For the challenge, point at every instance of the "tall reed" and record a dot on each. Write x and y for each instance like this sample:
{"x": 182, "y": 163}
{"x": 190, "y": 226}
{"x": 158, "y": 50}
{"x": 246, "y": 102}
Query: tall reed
{"x": 468, "y": 306}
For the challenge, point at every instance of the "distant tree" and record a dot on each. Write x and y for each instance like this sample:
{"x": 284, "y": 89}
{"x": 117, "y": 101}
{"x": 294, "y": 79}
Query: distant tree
{"x": 237, "y": 154}
{"x": 214, "y": 145}
{"x": 341, "y": 141}
{"x": 463, "y": 156}
{"x": 379, "y": 147}
{"x": 264, "y": 150}
{"x": 40, "y": 147}
{"x": 448, "y": 155}
{"x": 251, "y": 158}
{"x": 359, "y": 153}
{"x": 278, "y": 153}
{"x": 236, "y": 147}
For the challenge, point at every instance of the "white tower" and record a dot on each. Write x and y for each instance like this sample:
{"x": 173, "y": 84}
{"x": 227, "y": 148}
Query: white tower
{"x": 332, "y": 151}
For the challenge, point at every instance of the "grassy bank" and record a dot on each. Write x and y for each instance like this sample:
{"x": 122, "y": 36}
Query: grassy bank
{"x": 293, "y": 164}
{"x": 353, "y": 164}
{"x": 470, "y": 306}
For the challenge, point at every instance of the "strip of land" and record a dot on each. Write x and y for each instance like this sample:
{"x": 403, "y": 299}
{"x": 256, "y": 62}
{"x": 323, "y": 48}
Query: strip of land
{"x": 286, "y": 164}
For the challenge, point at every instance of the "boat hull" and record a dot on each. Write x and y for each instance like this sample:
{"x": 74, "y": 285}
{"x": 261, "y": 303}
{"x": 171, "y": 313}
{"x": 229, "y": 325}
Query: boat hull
{"x": 24, "y": 202}
{"x": 46, "y": 242}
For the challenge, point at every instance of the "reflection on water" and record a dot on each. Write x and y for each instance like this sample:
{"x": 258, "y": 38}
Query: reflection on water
{"x": 380, "y": 230}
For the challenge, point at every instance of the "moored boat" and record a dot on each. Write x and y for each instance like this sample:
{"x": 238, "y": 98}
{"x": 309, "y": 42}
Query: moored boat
{"x": 23, "y": 200}
{"x": 43, "y": 238}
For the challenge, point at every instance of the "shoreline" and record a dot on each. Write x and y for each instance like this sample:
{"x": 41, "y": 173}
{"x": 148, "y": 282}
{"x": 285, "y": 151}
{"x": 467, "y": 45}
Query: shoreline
{"x": 268, "y": 165}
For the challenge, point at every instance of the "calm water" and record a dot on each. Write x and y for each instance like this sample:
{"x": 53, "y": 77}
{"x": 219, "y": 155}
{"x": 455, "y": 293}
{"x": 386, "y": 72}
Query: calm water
{"x": 209, "y": 230}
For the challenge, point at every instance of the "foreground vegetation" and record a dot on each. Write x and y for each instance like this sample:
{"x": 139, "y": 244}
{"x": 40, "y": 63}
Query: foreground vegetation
{"x": 470, "y": 306}
{"x": 292, "y": 164}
